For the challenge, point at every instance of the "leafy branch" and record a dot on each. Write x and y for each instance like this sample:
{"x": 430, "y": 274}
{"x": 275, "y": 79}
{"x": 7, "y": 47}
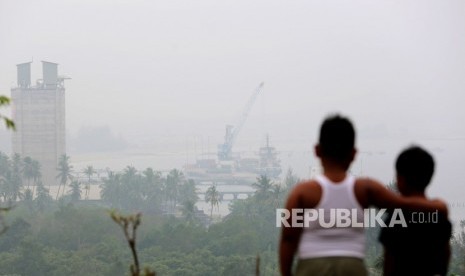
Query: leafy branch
{"x": 129, "y": 225}
{"x": 4, "y": 101}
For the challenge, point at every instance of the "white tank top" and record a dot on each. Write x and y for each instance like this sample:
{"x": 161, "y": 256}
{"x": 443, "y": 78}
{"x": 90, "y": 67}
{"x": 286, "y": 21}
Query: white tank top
{"x": 318, "y": 241}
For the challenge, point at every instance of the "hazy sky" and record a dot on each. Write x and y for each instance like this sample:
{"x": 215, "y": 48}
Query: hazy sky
{"x": 158, "y": 71}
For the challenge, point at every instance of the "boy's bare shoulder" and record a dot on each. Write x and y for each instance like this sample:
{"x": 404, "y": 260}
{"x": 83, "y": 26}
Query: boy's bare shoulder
{"x": 305, "y": 185}
{"x": 307, "y": 193}
{"x": 307, "y": 188}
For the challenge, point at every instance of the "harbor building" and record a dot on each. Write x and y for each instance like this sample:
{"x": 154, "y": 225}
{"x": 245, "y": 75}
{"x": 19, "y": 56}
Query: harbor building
{"x": 39, "y": 114}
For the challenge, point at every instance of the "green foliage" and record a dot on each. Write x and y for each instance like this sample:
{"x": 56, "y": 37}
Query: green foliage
{"x": 43, "y": 199}
{"x": 14, "y": 172}
{"x": 291, "y": 179}
{"x": 457, "y": 264}
{"x": 11, "y": 178}
{"x": 5, "y": 101}
{"x": 64, "y": 173}
{"x": 148, "y": 191}
{"x": 374, "y": 249}
{"x": 212, "y": 196}
{"x": 188, "y": 211}
{"x": 89, "y": 171}
{"x": 78, "y": 238}
{"x": 392, "y": 186}
{"x": 75, "y": 192}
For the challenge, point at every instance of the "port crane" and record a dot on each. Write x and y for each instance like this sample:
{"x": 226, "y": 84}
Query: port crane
{"x": 232, "y": 131}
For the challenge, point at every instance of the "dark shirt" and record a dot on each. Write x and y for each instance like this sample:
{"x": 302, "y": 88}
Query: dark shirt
{"x": 419, "y": 248}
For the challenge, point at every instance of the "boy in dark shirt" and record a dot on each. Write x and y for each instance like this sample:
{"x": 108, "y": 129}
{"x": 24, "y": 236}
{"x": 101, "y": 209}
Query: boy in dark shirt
{"x": 421, "y": 248}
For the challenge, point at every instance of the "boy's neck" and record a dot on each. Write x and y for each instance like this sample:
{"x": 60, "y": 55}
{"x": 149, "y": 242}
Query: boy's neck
{"x": 334, "y": 173}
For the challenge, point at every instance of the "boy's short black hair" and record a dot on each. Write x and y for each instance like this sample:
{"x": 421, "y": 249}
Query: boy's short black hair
{"x": 416, "y": 166}
{"x": 337, "y": 139}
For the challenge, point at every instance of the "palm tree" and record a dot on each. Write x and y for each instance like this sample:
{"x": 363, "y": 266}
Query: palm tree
{"x": 173, "y": 181}
{"x": 152, "y": 192}
{"x": 43, "y": 198}
{"x": 188, "y": 191}
{"x": 89, "y": 171}
{"x": 263, "y": 185}
{"x": 36, "y": 174}
{"x": 75, "y": 190}
{"x": 16, "y": 181}
{"x": 4, "y": 188}
{"x": 291, "y": 179}
{"x": 188, "y": 211}
{"x": 5, "y": 173}
{"x": 64, "y": 172}
{"x": 28, "y": 199}
{"x": 392, "y": 186}
{"x": 213, "y": 197}
{"x": 27, "y": 170}
{"x": 131, "y": 188}
{"x": 4, "y": 164}
{"x": 129, "y": 172}
{"x": 111, "y": 191}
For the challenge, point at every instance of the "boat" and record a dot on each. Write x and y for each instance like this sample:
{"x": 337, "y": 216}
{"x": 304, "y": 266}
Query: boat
{"x": 237, "y": 169}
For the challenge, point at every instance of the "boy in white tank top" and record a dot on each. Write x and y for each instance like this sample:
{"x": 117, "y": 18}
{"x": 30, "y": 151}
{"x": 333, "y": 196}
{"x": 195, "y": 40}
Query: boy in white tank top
{"x": 324, "y": 248}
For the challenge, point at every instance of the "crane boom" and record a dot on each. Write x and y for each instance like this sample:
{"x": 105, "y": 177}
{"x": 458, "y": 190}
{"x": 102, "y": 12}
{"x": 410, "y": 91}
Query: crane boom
{"x": 225, "y": 150}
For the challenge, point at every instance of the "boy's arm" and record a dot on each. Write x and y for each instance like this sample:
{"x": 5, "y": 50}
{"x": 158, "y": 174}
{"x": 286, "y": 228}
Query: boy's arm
{"x": 290, "y": 236}
{"x": 379, "y": 196}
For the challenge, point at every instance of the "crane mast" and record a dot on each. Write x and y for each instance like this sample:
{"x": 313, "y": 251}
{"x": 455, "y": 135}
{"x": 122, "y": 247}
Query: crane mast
{"x": 225, "y": 149}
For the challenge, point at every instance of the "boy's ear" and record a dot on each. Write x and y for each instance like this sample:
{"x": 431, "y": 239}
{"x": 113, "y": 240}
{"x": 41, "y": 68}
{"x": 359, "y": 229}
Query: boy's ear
{"x": 353, "y": 154}
{"x": 400, "y": 183}
{"x": 318, "y": 150}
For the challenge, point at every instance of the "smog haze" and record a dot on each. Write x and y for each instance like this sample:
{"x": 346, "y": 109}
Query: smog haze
{"x": 166, "y": 77}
